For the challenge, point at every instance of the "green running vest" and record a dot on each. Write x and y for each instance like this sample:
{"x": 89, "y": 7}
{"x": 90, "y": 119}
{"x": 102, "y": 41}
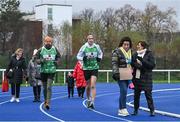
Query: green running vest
{"x": 49, "y": 56}
{"x": 91, "y": 64}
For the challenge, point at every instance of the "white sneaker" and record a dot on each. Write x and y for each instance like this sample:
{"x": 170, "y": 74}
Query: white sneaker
{"x": 12, "y": 99}
{"x": 126, "y": 112}
{"x": 123, "y": 112}
{"x": 17, "y": 100}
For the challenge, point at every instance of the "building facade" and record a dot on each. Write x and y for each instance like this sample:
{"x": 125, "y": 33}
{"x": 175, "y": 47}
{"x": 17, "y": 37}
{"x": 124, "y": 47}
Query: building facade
{"x": 53, "y": 17}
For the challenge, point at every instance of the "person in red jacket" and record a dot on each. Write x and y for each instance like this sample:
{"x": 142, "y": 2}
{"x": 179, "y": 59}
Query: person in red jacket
{"x": 78, "y": 74}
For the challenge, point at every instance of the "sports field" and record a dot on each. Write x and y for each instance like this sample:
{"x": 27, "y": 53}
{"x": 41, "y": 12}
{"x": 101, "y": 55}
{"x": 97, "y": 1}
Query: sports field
{"x": 166, "y": 99}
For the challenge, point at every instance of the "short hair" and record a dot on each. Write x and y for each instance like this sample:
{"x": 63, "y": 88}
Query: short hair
{"x": 48, "y": 38}
{"x": 89, "y": 36}
{"x": 144, "y": 44}
{"x": 18, "y": 50}
{"x": 126, "y": 38}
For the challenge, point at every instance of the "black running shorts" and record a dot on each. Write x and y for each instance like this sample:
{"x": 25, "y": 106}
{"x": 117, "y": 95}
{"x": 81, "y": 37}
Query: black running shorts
{"x": 89, "y": 73}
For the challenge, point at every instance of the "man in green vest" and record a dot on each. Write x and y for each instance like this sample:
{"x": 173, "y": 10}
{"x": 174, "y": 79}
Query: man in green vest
{"x": 90, "y": 54}
{"x": 48, "y": 56}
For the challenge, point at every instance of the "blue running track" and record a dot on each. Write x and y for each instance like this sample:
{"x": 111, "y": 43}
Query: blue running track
{"x": 166, "y": 99}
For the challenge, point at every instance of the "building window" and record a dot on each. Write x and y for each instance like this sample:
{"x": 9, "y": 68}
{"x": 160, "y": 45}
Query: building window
{"x": 50, "y": 14}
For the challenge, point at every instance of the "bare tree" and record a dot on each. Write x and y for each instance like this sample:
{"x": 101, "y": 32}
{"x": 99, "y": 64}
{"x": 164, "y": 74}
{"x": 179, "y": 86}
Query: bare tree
{"x": 108, "y": 23}
{"x": 87, "y": 14}
{"x": 125, "y": 18}
{"x": 154, "y": 21}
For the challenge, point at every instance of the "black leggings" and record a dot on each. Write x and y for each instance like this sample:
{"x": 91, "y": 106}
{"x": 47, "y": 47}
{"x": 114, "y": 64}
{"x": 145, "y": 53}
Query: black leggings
{"x": 15, "y": 89}
{"x": 71, "y": 91}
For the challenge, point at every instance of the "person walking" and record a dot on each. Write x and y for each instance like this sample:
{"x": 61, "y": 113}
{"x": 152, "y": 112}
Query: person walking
{"x": 122, "y": 71}
{"x": 18, "y": 68}
{"x": 78, "y": 74}
{"x": 70, "y": 84}
{"x": 143, "y": 63}
{"x": 34, "y": 77}
{"x": 48, "y": 57}
{"x": 91, "y": 54}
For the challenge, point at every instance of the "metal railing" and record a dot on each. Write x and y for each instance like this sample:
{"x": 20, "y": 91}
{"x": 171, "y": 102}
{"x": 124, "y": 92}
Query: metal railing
{"x": 108, "y": 72}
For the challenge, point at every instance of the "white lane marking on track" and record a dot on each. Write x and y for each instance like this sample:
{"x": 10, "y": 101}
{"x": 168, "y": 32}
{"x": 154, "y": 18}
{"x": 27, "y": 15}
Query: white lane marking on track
{"x": 9, "y": 100}
{"x": 49, "y": 115}
{"x": 104, "y": 114}
{"x": 146, "y": 109}
{"x": 42, "y": 110}
{"x": 41, "y": 105}
{"x": 157, "y": 111}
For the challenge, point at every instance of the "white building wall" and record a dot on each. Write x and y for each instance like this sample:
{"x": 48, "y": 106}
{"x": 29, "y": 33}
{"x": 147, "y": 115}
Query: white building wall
{"x": 60, "y": 14}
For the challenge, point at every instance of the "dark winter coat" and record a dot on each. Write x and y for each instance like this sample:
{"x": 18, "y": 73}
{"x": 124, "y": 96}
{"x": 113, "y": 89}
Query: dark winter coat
{"x": 118, "y": 61}
{"x": 18, "y": 67}
{"x": 148, "y": 64}
{"x": 70, "y": 81}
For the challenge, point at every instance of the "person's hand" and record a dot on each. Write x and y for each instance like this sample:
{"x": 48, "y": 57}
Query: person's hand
{"x": 138, "y": 61}
{"x": 85, "y": 58}
{"x": 139, "y": 58}
{"x": 128, "y": 61}
{"x": 116, "y": 76}
{"x": 98, "y": 59}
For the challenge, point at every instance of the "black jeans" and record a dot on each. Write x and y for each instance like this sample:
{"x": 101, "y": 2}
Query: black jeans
{"x": 148, "y": 94}
{"x": 15, "y": 89}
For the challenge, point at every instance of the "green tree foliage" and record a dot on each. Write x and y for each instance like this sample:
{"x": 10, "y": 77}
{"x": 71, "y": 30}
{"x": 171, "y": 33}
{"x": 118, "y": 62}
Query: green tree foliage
{"x": 10, "y": 21}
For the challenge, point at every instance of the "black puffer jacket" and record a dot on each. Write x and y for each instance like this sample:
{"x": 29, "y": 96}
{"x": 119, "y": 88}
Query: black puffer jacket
{"x": 118, "y": 61}
{"x": 18, "y": 67}
{"x": 148, "y": 64}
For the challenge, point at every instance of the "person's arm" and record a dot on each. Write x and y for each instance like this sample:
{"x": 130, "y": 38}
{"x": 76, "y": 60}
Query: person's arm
{"x": 39, "y": 60}
{"x": 29, "y": 69}
{"x": 100, "y": 54}
{"x": 115, "y": 65}
{"x": 148, "y": 63}
{"x": 134, "y": 62}
{"x": 80, "y": 55}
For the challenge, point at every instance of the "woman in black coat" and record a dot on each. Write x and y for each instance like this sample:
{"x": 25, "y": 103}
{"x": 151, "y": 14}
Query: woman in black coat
{"x": 18, "y": 66}
{"x": 143, "y": 63}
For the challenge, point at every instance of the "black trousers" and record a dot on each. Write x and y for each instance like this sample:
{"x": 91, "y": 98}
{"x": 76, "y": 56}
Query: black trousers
{"x": 148, "y": 95}
{"x": 37, "y": 92}
{"x": 70, "y": 91}
{"x": 15, "y": 89}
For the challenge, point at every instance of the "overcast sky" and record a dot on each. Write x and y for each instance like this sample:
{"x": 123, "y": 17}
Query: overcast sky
{"x": 97, "y": 5}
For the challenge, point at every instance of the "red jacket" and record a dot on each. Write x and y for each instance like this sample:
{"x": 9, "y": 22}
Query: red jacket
{"x": 78, "y": 74}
